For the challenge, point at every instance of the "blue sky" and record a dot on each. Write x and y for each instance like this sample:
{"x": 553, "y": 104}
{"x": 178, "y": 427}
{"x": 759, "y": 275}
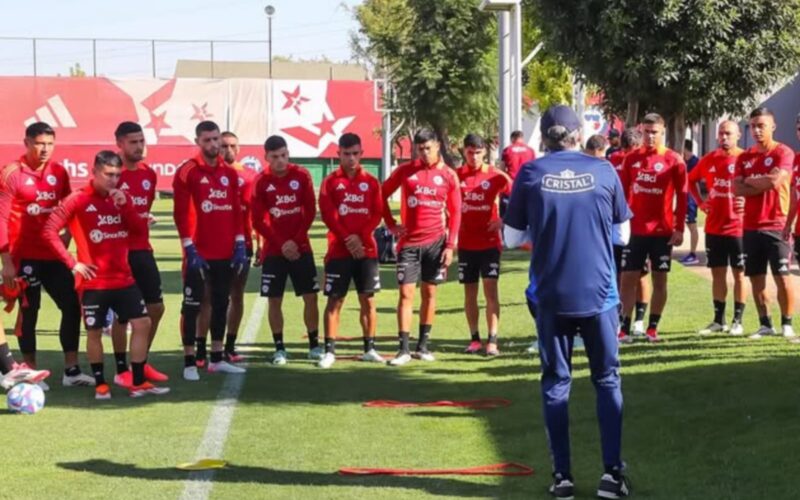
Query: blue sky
{"x": 304, "y": 29}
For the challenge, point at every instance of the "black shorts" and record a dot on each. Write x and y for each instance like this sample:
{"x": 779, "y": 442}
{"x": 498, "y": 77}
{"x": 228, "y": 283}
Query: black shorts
{"x": 762, "y": 247}
{"x": 724, "y": 251}
{"x": 127, "y": 304}
{"x": 145, "y": 273}
{"x": 474, "y": 264}
{"x": 425, "y": 262}
{"x": 640, "y": 249}
{"x": 277, "y": 268}
{"x": 618, "y": 249}
{"x": 365, "y": 273}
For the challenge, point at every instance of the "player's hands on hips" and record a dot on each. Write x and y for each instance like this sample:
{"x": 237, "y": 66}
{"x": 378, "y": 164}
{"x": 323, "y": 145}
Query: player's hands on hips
{"x": 706, "y": 207}
{"x": 9, "y": 271}
{"x": 87, "y": 271}
{"x": 677, "y": 239}
{"x": 495, "y": 225}
{"x": 290, "y": 250}
{"x": 239, "y": 260}
{"x": 355, "y": 246}
{"x": 399, "y": 230}
{"x": 447, "y": 257}
{"x": 118, "y": 197}
{"x": 151, "y": 220}
{"x": 194, "y": 262}
{"x": 738, "y": 205}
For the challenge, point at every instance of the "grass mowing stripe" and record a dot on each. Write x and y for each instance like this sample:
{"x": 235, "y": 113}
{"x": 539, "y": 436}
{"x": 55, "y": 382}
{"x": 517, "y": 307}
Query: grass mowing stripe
{"x": 199, "y": 483}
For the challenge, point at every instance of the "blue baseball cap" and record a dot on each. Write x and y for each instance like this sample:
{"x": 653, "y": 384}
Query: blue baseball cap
{"x": 559, "y": 115}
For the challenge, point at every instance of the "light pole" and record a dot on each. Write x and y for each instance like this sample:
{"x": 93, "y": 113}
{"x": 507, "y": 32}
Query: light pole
{"x": 269, "y": 10}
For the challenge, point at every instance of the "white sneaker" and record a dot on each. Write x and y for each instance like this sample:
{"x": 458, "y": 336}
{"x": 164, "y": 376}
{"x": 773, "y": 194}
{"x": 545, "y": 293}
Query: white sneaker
{"x": 372, "y": 356}
{"x": 424, "y": 356}
{"x": 736, "y": 329}
{"x": 190, "y": 373}
{"x": 533, "y": 348}
{"x": 763, "y": 331}
{"x": 638, "y": 328}
{"x": 328, "y": 359}
{"x": 43, "y": 386}
{"x": 401, "y": 359}
{"x": 20, "y": 373}
{"x": 713, "y": 327}
{"x": 224, "y": 367}
{"x": 279, "y": 358}
{"x": 788, "y": 331}
{"x": 79, "y": 380}
{"x": 316, "y": 353}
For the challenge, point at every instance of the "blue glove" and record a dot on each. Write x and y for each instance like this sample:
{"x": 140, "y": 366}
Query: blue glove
{"x": 194, "y": 262}
{"x": 239, "y": 261}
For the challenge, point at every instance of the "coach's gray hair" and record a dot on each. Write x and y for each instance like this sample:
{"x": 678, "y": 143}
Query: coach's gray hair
{"x": 558, "y": 138}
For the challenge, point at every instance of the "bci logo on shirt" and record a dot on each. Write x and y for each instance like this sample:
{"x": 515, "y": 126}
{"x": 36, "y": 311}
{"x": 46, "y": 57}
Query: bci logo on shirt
{"x": 568, "y": 182}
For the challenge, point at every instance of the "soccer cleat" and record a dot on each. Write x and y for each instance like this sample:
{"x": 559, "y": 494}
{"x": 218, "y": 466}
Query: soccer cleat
{"x": 533, "y": 348}
{"x": 154, "y": 375}
{"x": 638, "y": 328}
{"x": 224, "y": 367}
{"x": 190, "y": 373}
{"x": 316, "y": 353}
{"x": 624, "y": 338}
{"x": 736, "y": 329}
{"x": 690, "y": 260}
{"x": 492, "y": 350}
{"x": 424, "y": 356}
{"x": 613, "y": 485}
{"x": 713, "y": 327}
{"x": 652, "y": 335}
{"x": 21, "y": 373}
{"x": 401, "y": 359}
{"x": 79, "y": 380}
{"x": 474, "y": 347}
{"x": 279, "y": 358}
{"x": 562, "y": 487}
{"x": 43, "y": 386}
{"x": 372, "y": 356}
{"x": 124, "y": 379}
{"x": 763, "y": 331}
{"x": 138, "y": 391}
{"x": 328, "y": 359}
{"x": 788, "y": 331}
{"x": 102, "y": 391}
{"x": 233, "y": 357}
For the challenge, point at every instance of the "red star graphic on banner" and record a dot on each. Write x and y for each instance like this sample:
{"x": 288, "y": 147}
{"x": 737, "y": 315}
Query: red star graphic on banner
{"x": 294, "y": 99}
{"x": 326, "y": 126}
{"x": 157, "y": 122}
{"x": 200, "y": 112}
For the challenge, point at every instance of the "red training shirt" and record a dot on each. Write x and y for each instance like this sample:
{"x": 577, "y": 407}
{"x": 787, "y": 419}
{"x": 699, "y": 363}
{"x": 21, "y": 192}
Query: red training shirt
{"x": 206, "y": 207}
{"x": 766, "y": 211}
{"x": 284, "y": 208}
{"x": 429, "y": 195}
{"x": 480, "y": 188}
{"x": 101, "y": 231}
{"x": 27, "y": 197}
{"x": 655, "y": 183}
{"x": 515, "y": 156}
{"x": 717, "y": 169}
{"x": 350, "y": 206}
{"x": 141, "y": 185}
{"x": 616, "y": 159}
{"x": 796, "y": 184}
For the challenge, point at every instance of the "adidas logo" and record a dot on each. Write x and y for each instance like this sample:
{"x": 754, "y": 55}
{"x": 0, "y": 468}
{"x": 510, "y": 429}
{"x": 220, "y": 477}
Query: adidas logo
{"x": 463, "y": 184}
{"x": 124, "y": 186}
{"x": 270, "y": 188}
{"x": 29, "y": 182}
{"x": 340, "y": 187}
{"x": 493, "y": 272}
{"x": 91, "y": 208}
{"x": 783, "y": 269}
{"x": 413, "y": 177}
{"x": 664, "y": 265}
{"x": 712, "y": 170}
{"x": 55, "y": 113}
{"x": 204, "y": 180}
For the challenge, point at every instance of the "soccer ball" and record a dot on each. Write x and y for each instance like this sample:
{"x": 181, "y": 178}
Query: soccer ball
{"x": 25, "y": 398}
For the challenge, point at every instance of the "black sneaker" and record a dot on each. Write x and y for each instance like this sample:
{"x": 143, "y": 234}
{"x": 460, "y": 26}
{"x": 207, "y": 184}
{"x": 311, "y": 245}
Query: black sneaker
{"x": 613, "y": 485}
{"x": 562, "y": 487}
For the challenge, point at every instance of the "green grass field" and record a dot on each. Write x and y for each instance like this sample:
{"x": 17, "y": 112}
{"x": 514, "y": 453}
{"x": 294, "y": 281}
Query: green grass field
{"x": 704, "y": 418}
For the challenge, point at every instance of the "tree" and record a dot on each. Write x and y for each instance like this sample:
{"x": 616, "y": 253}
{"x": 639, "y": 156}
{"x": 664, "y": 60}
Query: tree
{"x": 686, "y": 59}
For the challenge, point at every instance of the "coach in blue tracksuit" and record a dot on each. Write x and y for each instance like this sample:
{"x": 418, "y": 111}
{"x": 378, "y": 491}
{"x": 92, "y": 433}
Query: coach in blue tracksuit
{"x": 567, "y": 203}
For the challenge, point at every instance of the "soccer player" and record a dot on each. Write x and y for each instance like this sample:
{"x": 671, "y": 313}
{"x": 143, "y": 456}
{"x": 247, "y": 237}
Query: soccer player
{"x": 724, "y": 246}
{"x": 284, "y": 207}
{"x": 351, "y": 206}
{"x": 208, "y": 216}
{"x": 479, "y": 240}
{"x": 691, "y": 161}
{"x": 566, "y": 204}
{"x": 631, "y": 140}
{"x": 596, "y": 146}
{"x": 102, "y": 219}
{"x": 30, "y": 189}
{"x": 230, "y": 150}
{"x": 655, "y": 179}
{"x": 614, "y": 142}
{"x": 516, "y": 154}
{"x": 430, "y": 215}
{"x": 763, "y": 176}
{"x": 139, "y": 181}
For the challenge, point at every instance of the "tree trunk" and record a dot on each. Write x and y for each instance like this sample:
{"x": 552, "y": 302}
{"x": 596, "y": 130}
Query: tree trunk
{"x": 444, "y": 140}
{"x": 633, "y": 113}
{"x": 676, "y": 131}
